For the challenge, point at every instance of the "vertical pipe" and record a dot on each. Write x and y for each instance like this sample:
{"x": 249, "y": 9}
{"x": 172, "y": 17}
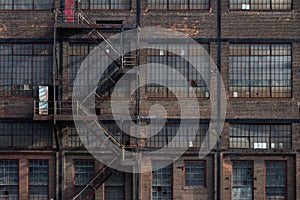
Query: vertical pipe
{"x": 219, "y": 24}
{"x": 137, "y": 108}
{"x": 54, "y": 66}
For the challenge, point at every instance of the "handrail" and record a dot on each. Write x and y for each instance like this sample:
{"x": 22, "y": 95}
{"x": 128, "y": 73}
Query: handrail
{"x": 55, "y": 107}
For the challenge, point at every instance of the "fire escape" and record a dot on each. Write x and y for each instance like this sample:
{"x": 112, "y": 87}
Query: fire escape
{"x": 76, "y": 19}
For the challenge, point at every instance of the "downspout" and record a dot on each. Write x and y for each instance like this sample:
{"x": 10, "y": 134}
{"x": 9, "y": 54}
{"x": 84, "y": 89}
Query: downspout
{"x": 137, "y": 108}
{"x": 219, "y": 63}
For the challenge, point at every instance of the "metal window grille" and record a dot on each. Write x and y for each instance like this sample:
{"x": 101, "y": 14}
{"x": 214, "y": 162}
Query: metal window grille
{"x": 260, "y": 136}
{"x": 194, "y": 173}
{"x": 242, "y": 180}
{"x": 38, "y": 184}
{"x": 9, "y": 179}
{"x": 276, "y": 180}
{"x": 260, "y": 70}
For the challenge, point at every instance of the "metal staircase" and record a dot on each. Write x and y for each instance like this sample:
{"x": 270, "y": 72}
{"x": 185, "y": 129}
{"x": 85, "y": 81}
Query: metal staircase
{"x": 111, "y": 75}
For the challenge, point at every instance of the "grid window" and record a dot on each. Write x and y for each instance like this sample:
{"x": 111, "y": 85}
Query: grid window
{"x": 106, "y": 4}
{"x": 23, "y": 67}
{"x": 25, "y": 135}
{"x": 114, "y": 187}
{"x": 168, "y": 81}
{"x": 162, "y": 181}
{"x": 78, "y": 53}
{"x": 242, "y": 181}
{"x": 178, "y": 4}
{"x": 260, "y": 70}
{"x": 259, "y": 136}
{"x": 260, "y": 5}
{"x": 9, "y": 179}
{"x": 38, "y": 179}
{"x": 26, "y": 4}
{"x": 74, "y": 141}
{"x": 83, "y": 173}
{"x": 276, "y": 180}
{"x": 164, "y": 136}
{"x": 195, "y": 173}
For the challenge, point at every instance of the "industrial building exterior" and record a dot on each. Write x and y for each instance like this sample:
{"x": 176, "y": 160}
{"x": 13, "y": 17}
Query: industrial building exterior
{"x": 256, "y": 47}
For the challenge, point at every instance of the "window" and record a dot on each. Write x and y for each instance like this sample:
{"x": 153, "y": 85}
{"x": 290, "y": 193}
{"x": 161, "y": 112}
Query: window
{"x": 260, "y": 5}
{"x": 74, "y": 141}
{"x": 38, "y": 179}
{"x": 242, "y": 182}
{"x": 23, "y": 67}
{"x": 106, "y": 4}
{"x": 195, "y": 173}
{"x": 83, "y": 173}
{"x": 162, "y": 181}
{"x": 9, "y": 179}
{"x": 275, "y": 180}
{"x": 178, "y": 63}
{"x": 260, "y": 70}
{"x": 257, "y": 136}
{"x": 164, "y": 136}
{"x": 26, "y": 4}
{"x": 25, "y": 135}
{"x": 178, "y": 4}
{"x": 114, "y": 187}
{"x": 77, "y": 54}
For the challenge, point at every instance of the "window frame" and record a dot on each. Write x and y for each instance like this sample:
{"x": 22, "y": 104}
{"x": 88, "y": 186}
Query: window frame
{"x": 172, "y": 178}
{"x": 252, "y": 180}
{"x": 38, "y": 69}
{"x": 168, "y": 60}
{"x": 35, "y": 131}
{"x": 253, "y": 138}
{"x": 204, "y": 174}
{"x": 167, "y": 5}
{"x": 25, "y": 10}
{"x": 124, "y": 181}
{"x": 73, "y": 56}
{"x": 155, "y": 140}
{"x": 73, "y": 174}
{"x": 48, "y": 178}
{"x": 285, "y": 173}
{"x": 249, "y": 87}
{"x": 262, "y": 10}
{"x": 87, "y": 7}
{"x": 18, "y": 174}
